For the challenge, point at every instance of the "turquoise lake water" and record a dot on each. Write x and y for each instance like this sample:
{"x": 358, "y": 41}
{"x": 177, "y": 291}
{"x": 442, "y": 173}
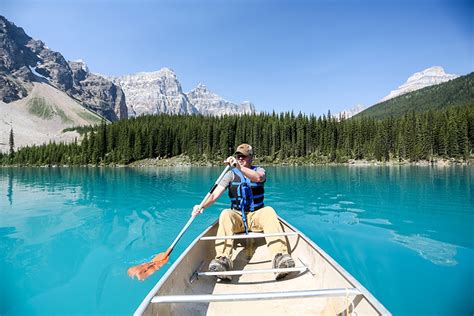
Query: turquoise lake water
{"x": 68, "y": 235}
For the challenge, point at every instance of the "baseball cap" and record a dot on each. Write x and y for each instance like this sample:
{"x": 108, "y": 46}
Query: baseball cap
{"x": 244, "y": 149}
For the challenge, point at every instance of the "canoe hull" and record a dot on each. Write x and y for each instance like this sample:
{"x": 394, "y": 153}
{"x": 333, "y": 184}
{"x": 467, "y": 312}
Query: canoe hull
{"x": 322, "y": 273}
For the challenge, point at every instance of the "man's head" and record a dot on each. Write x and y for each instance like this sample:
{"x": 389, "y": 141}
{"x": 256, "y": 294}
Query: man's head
{"x": 244, "y": 155}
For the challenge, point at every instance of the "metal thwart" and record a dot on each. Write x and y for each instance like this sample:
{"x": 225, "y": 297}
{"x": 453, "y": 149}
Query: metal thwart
{"x": 254, "y": 296}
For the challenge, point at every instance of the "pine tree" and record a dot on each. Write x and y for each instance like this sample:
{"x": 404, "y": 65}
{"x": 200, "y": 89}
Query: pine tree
{"x": 93, "y": 148}
{"x": 443, "y": 140}
{"x": 452, "y": 136}
{"x": 300, "y": 136}
{"x": 12, "y": 144}
{"x": 463, "y": 140}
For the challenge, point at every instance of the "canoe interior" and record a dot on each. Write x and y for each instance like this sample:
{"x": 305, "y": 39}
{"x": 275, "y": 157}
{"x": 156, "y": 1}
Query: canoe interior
{"x": 321, "y": 274}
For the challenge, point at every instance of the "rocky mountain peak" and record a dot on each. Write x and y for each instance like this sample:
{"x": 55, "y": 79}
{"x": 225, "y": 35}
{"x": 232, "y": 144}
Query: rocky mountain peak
{"x": 154, "y": 92}
{"x": 201, "y": 91}
{"x": 425, "y": 78}
{"x": 351, "y": 112}
{"x": 79, "y": 69}
{"x": 81, "y": 64}
{"x": 24, "y": 60}
{"x": 201, "y": 87}
{"x": 209, "y": 103}
{"x": 435, "y": 71}
{"x": 166, "y": 72}
{"x": 160, "y": 92}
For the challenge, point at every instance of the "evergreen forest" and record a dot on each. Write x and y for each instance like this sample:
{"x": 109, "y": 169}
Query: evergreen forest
{"x": 276, "y": 138}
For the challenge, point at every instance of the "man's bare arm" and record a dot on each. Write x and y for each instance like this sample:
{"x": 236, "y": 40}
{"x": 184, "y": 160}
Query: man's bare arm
{"x": 211, "y": 199}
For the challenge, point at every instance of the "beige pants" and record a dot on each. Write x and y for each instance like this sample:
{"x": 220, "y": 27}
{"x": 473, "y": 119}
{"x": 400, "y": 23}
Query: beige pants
{"x": 265, "y": 219}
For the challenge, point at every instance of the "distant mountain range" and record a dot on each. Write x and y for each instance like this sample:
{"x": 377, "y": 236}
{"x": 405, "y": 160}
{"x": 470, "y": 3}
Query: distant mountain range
{"x": 160, "y": 92}
{"x": 209, "y": 103}
{"x": 41, "y": 93}
{"x": 26, "y": 61}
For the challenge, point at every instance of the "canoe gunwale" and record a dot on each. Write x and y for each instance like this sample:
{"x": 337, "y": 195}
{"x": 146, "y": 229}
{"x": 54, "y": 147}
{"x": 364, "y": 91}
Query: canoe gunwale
{"x": 370, "y": 298}
{"x": 147, "y": 300}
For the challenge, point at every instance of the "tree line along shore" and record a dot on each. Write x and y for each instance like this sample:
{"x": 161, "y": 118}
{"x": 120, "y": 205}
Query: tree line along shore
{"x": 440, "y": 137}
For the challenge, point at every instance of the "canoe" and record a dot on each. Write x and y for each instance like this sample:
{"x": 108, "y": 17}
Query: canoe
{"x": 317, "y": 285}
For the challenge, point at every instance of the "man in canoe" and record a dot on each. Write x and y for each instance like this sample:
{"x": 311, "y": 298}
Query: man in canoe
{"x": 247, "y": 212}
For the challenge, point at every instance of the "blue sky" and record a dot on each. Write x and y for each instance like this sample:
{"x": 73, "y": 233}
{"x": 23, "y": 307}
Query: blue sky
{"x": 309, "y": 56}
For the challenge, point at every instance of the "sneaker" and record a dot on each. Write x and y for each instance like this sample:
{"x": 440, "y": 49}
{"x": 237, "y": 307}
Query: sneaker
{"x": 282, "y": 261}
{"x": 221, "y": 264}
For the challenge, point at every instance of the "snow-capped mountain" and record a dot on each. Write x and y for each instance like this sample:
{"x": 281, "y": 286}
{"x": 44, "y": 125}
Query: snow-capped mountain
{"x": 153, "y": 93}
{"x": 160, "y": 92}
{"x": 209, "y": 103}
{"x": 351, "y": 112}
{"x": 428, "y": 77}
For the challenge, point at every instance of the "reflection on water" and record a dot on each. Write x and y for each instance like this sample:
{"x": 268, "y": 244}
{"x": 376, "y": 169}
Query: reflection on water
{"x": 69, "y": 231}
{"x": 435, "y": 251}
{"x": 10, "y": 187}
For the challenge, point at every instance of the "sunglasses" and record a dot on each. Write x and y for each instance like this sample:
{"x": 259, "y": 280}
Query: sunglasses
{"x": 241, "y": 156}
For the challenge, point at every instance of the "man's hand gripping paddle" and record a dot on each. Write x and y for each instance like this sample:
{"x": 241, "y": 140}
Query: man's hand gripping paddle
{"x": 144, "y": 270}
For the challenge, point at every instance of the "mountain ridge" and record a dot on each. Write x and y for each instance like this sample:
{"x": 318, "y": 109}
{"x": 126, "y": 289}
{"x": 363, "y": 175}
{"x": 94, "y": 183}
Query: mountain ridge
{"x": 26, "y": 60}
{"x": 209, "y": 103}
{"x": 160, "y": 91}
{"x": 428, "y": 77}
{"x": 456, "y": 92}
{"x": 425, "y": 78}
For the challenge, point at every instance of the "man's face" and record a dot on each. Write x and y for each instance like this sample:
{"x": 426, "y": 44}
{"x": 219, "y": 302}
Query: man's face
{"x": 244, "y": 161}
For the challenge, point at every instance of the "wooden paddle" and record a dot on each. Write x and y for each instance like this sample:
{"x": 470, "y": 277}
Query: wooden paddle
{"x": 144, "y": 270}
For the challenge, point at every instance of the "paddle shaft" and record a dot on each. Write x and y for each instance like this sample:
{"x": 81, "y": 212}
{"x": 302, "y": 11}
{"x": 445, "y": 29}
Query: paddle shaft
{"x": 202, "y": 203}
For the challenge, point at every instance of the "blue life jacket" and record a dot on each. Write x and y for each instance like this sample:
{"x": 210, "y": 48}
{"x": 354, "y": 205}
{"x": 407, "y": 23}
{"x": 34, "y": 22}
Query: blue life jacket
{"x": 245, "y": 195}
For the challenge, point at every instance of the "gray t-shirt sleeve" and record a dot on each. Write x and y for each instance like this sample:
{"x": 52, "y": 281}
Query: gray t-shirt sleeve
{"x": 229, "y": 176}
{"x": 261, "y": 170}
{"x": 227, "y": 179}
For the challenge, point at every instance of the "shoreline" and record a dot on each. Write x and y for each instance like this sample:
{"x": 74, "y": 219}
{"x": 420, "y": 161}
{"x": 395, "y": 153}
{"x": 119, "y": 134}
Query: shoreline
{"x": 185, "y": 161}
